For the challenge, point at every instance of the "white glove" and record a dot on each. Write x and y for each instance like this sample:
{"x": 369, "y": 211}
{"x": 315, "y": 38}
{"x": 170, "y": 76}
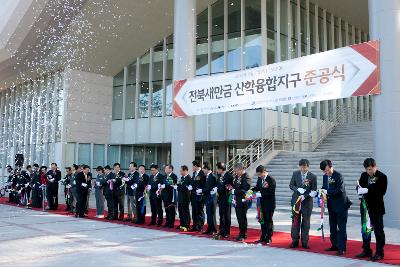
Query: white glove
{"x": 302, "y": 197}
{"x": 68, "y": 186}
{"x": 26, "y": 185}
{"x": 301, "y": 190}
{"x": 74, "y": 182}
{"x": 163, "y": 186}
{"x": 125, "y": 179}
{"x": 49, "y": 176}
{"x": 258, "y": 195}
{"x": 325, "y": 191}
{"x": 199, "y": 191}
{"x": 34, "y": 185}
{"x": 159, "y": 186}
{"x": 113, "y": 180}
{"x": 175, "y": 186}
{"x": 84, "y": 184}
{"x": 190, "y": 188}
{"x": 134, "y": 186}
{"x": 362, "y": 190}
{"x": 98, "y": 183}
{"x": 313, "y": 193}
{"x": 214, "y": 191}
{"x": 233, "y": 191}
{"x": 148, "y": 187}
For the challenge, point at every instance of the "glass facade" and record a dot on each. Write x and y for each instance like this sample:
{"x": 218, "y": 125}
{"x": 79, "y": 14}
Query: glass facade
{"x": 31, "y": 119}
{"x": 235, "y": 35}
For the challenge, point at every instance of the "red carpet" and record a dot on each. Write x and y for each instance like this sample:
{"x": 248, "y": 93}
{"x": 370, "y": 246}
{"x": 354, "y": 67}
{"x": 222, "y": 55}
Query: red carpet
{"x": 279, "y": 239}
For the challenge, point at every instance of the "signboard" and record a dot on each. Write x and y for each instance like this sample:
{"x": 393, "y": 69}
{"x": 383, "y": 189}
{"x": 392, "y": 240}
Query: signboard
{"x": 338, "y": 73}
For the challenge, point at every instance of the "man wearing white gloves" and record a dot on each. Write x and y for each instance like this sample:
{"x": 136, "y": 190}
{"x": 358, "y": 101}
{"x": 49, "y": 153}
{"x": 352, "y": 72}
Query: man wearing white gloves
{"x": 338, "y": 206}
{"x": 101, "y": 183}
{"x": 224, "y": 181}
{"x": 241, "y": 184}
{"x": 209, "y": 193}
{"x": 197, "y": 200}
{"x": 53, "y": 176}
{"x": 131, "y": 185}
{"x": 155, "y": 183}
{"x": 167, "y": 195}
{"x": 372, "y": 187}
{"x": 265, "y": 191}
{"x": 183, "y": 186}
{"x": 82, "y": 187}
{"x": 304, "y": 185}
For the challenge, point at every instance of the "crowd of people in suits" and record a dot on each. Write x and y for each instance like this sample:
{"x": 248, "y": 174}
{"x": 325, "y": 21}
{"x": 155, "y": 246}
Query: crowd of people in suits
{"x": 203, "y": 188}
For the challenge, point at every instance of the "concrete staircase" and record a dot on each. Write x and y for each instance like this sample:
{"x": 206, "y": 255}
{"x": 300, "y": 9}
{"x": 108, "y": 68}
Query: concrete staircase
{"x": 347, "y": 147}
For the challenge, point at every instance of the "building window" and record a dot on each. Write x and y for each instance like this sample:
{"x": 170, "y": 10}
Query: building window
{"x": 144, "y": 86}
{"x": 117, "y": 103}
{"x": 84, "y": 154}
{"x": 158, "y": 90}
{"x": 126, "y": 156}
{"x": 252, "y": 48}
{"x": 168, "y": 80}
{"x": 98, "y": 155}
{"x": 217, "y": 54}
{"x": 69, "y": 154}
{"x": 130, "y": 92}
{"x": 112, "y": 154}
{"x": 234, "y": 36}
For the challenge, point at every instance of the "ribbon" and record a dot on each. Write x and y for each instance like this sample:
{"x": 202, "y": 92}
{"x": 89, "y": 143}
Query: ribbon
{"x": 259, "y": 217}
{"x": 143, "y": 201}
{"x": 174, "y": 196}
{"x": 366, "y": 228}
{"x": 296, "y": 211}
{"x": 321, "y": 200}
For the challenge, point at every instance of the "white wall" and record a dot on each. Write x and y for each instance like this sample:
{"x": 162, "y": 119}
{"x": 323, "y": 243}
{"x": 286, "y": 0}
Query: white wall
{"x": 88, "y": 107}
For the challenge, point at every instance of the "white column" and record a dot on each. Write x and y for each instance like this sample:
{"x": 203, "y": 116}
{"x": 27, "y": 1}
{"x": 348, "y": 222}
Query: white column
{"x": 384, "y": 18}
{"x": 182, "y": 141}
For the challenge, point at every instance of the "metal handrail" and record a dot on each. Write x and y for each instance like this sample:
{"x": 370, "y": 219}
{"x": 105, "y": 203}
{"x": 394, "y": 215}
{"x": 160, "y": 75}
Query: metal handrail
{"x": 284, "y": 138}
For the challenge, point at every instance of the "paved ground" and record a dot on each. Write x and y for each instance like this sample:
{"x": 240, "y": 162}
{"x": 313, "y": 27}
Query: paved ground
{"x": 31, "y": 238}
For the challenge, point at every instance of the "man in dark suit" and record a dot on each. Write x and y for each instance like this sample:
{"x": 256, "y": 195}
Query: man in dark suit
{"x": 338, "y": 206}
{"x": 241, "y": 184}
{"x": 53, "y": 176}
{"x": 265, "y": 191}
{"x": 304, "y": 185}
{"x": 155, "y": 186}
{"x": 167, "y": 195}
{"x": 119, "y": 191}
{"x": 225, "y": 180}
{"x": 131, "y": 185}
{"x": 142, "y": 182}
{"x": 184, "y": 198}
{"x": 209, "y": 193}
{"x": 198, "y": 182}
{"x": 82, "y": 188}
{"x": 372, "y": 187}
{"x": 109, "y": 193}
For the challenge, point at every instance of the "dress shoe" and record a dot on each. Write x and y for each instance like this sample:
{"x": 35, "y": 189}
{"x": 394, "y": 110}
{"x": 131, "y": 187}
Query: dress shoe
{"x": 260, "y": 241}
{"x": 364, "y": 254}
{"x": 332, "y": 249}
{"x": 207, "y": 233}
{"x": 294, "y": 245}
{"x": 305, "y": 246}
{"x": 268, "y": 241}
{"x": 340, "y": 253}
{"x": 377, "y": 257}
{"x": 239, "y": 238}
